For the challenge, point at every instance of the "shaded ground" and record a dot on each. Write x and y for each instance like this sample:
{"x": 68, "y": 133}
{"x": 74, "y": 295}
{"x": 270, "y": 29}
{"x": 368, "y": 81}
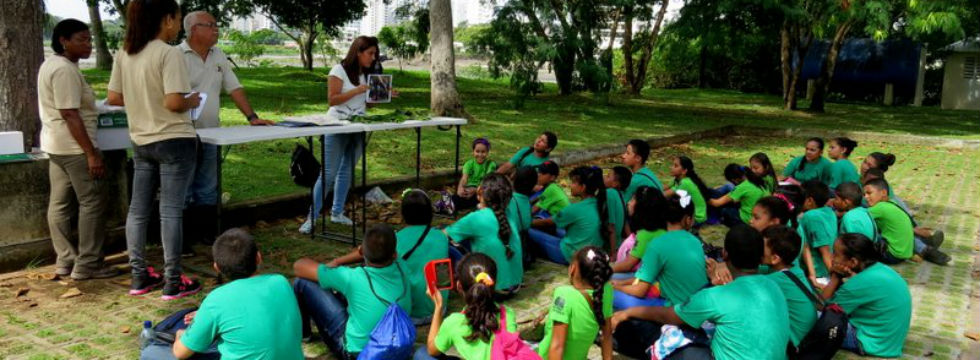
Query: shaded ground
{"x": 941, "y": 184}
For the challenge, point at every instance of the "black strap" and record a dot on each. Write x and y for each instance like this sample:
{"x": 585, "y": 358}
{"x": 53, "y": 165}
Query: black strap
{"x": 646, "y": 176}
{"x": 874, "y": 226}
{"x": 371, "y": 285}
{"x": 819, "y": 304}
{"x": 421, "y": 238}
{"x": 520, "y": 217}
{"x": 903, "y": 210}
{"x": 524, "y": 155}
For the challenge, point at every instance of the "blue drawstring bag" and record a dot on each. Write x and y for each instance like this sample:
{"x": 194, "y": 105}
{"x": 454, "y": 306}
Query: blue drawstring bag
{"x": 393, "y": 338}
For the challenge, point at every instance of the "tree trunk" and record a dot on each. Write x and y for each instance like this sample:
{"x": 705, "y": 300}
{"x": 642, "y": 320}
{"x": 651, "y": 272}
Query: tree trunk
{"x": 827, "y": 70}
{"x": 120, "y": 6}
{"x": 21, "y": 54}
{"x": 785, "y": 46}
{"x": 641, "y": 72}
{"x": 306, "y": 47}
{"x": 444, "y": 96}
{"x": 103, "y": 59}
{"x": 628, "y": 48}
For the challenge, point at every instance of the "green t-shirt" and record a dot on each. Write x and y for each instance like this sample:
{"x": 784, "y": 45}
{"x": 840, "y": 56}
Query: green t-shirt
{"x": 531, "y": 159}
{"x": 896, "y": 228}
{"x": 819, "y": 170}
{"x": 643, "y": 177}
{"x": 770, "y": 184}
{"x": 435, "y": 246}
{"x": 746, "y": 194}
{"x": 750, "y": 317}
{"x": 553, "y": 199}
{"x": 364, "y": 310}
{"x": 878, "y": 303}
{"x": 802, "y": 313}
{"x": 454, "y": 330}
{"x": 818, "y": 227}
{"x": 519, "y": 212}
{"x": 676, "y": 260}
{"x": 700, "y": 208}
{"x": 251, "y": 318}
{"x": 643, "y": 238}
{"x": 842, "y": 171}
{"x": 858, "y": 220}
{"x": 581, "y": 223}
{"x": 480, "y": 228}
{"x": 477, "y": 171}
{"x": 616, "y": 213}
{"x": 569, "y": 306}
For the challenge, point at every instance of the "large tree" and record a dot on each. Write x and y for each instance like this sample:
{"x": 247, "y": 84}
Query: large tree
{"x": 637, "y": 55}
{"x": 305, "y": 20}
{"x": 103, "y": 59}
{"x": 444, "y": 99}
{"x": 21, "y": 54}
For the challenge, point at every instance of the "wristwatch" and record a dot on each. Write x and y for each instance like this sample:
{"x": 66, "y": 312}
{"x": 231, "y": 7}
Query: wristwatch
{"x": 251, "y": 117}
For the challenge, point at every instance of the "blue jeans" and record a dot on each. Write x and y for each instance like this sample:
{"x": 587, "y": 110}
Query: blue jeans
{"x": 340, "y": 158}
{"x": 622, "y": 276}
{"x": 328, "y": 311}
{"x": 204, "y": 187}
{"x": 169, "y": 164}
{"x": 731, "y": 217}
{"x": 851, "y": 342}
{"x": 623, "y": 300}
{"x": 547, "y": 246}
{"x": 163, "y": 351}
{"x": 422, "y": 353}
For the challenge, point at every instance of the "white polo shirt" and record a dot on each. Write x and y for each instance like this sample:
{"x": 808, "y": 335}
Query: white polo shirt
{"x": 210, "y": 77}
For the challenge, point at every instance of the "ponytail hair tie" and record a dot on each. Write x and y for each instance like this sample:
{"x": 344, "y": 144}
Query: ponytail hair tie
{"x": 786, "y": 199}
{"x": 484, "y": 279}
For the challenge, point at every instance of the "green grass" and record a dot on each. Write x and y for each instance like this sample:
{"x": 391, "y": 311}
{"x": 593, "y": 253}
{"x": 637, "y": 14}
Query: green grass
{"x": 581, "y": 121}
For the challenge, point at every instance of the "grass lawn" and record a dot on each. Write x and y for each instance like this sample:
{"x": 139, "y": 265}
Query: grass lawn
{"x": 581, "y": 121}
{"x": 941, "y": 184}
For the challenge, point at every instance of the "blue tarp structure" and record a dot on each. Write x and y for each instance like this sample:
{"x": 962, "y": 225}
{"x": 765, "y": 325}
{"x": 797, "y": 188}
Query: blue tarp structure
{"x": 864, "y": 66}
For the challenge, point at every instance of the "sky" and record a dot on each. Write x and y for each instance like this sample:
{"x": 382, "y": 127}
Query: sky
{"x": 76, "y": 9}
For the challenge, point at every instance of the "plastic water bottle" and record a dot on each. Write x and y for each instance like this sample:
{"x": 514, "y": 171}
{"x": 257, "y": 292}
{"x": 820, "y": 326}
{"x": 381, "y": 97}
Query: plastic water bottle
{"x": 146, "y": 336}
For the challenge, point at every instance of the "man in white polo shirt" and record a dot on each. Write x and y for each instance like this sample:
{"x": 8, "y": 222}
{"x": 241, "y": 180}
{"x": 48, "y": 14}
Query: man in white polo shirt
{"x": 210, "y": 72}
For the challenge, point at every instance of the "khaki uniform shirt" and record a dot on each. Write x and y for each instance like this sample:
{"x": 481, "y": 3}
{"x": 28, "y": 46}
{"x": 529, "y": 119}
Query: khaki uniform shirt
{"x": 60, "y": 86}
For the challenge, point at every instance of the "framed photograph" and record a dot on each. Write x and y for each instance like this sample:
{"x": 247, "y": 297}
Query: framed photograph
{"x": 379, "y": 88}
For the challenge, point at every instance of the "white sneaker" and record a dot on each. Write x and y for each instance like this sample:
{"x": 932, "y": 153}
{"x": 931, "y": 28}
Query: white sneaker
{"x": 307, "y": 227}
{"x": 340, "y": 219}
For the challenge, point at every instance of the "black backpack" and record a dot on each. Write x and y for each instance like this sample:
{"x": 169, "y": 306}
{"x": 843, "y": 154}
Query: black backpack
{"x": 827, "y": 334}
{"x": 304, "y": 169}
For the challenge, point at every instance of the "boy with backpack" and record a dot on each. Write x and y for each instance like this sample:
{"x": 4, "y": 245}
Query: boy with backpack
{"x": 347, "y": 303}
{"x": 635, "y": 158}
{"x": 241, "y": 314}
{"x": 782, "y": 246}
{"x": 897, "y": 229}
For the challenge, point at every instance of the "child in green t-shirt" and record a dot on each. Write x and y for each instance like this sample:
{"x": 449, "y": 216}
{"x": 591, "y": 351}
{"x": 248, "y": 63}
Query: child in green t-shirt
{"x": 471, "y": 330}
{"x": 749, "y": 188}
{"x": 811, "y": 166}
{"x": 841, "y": 170}
{"x": 550, "y": 198}
{"x": 855, "y": 218}
{"x": 531, "y": 156}
{"x": 579, "y": 311}
{"x": 782, "y": 248}
{"x": 760, "y": 164}
{"x": 635, "y": 158}
{"x": 685, "y": 178}
{"x": 355, "y": 296}
{"x": 473, "y": 172}
{"x": 584, "y": 223}
{"x": 897, "y": 229}
{"x": 818, "y": 229}
{"x": 646, "y": 210}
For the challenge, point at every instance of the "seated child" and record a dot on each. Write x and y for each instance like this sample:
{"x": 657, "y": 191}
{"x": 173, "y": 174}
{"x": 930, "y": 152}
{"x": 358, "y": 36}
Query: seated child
{"x": 635, "y": 158}
{"x": 811, "y": 166}
{"x": 856, "y": 218}
{"x": 896, "y": 228}
{"x": 685, "y": 178}
{"x": 782, "y": 247}
{"x": 519, "y": 209}
{"x": 346, "y": 303}
{"x": 770, "y": 211}
{"x": 749, "y": 314}
{"x": 760, "y": 165}
{"x": 579, "y": 311}
{"x": 473, "y": 172}
{"x": 647, "y": 210}
{"x": 674, "y": 259}
{"x": 241, "y": 314}
{"x": 841, "y": 170}
{"x": 929, "y": 236}
{"x": 551, "y": 198}
{"x": 471, "y": 330}
{"x": 749, "y": 188}
{"x": 584, "y": 223}
{"x": 489, "y": 231}
{"x": 533, "y": 155}
{"x": 818, "y": 229}
{"x": 616, "y": 205}
{"x": 875, "y": 298}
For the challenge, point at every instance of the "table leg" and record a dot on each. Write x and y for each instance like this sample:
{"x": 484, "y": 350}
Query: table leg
{"x": 309, "y": 215}
{"x": 218, "y": 209}
{"x": 459, "y": 134}
{"x": 418, "y": 157}
{"x": 323, "y": 184}
{"x": 363, "y": 187}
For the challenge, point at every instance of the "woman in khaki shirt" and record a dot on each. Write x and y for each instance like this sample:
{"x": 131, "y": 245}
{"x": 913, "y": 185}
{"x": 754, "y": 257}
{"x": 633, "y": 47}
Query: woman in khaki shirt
{"x": 149, "y": 78}
{"x": 68, "y": 120}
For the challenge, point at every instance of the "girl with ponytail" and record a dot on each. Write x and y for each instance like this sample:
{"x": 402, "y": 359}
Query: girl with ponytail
{"x": 488, "y": 231}
{"x": 685, "y": 178}
{"x": 842, "y": 170}
{"x": 579, "y": 311}
{"x": 811, "y": 166}
{"x": 471, "y": 330}
{"x": 585, "y": 222}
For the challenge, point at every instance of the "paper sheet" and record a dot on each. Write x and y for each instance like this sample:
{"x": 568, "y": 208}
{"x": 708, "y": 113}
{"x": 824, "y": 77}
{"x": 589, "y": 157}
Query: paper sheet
{"x": 196, "y": 112}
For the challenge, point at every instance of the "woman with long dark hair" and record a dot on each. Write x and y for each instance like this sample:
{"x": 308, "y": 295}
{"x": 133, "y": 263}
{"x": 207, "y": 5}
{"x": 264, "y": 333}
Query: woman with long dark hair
{"x": 347, "y": 87}
{"x": 149, "y": 77}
